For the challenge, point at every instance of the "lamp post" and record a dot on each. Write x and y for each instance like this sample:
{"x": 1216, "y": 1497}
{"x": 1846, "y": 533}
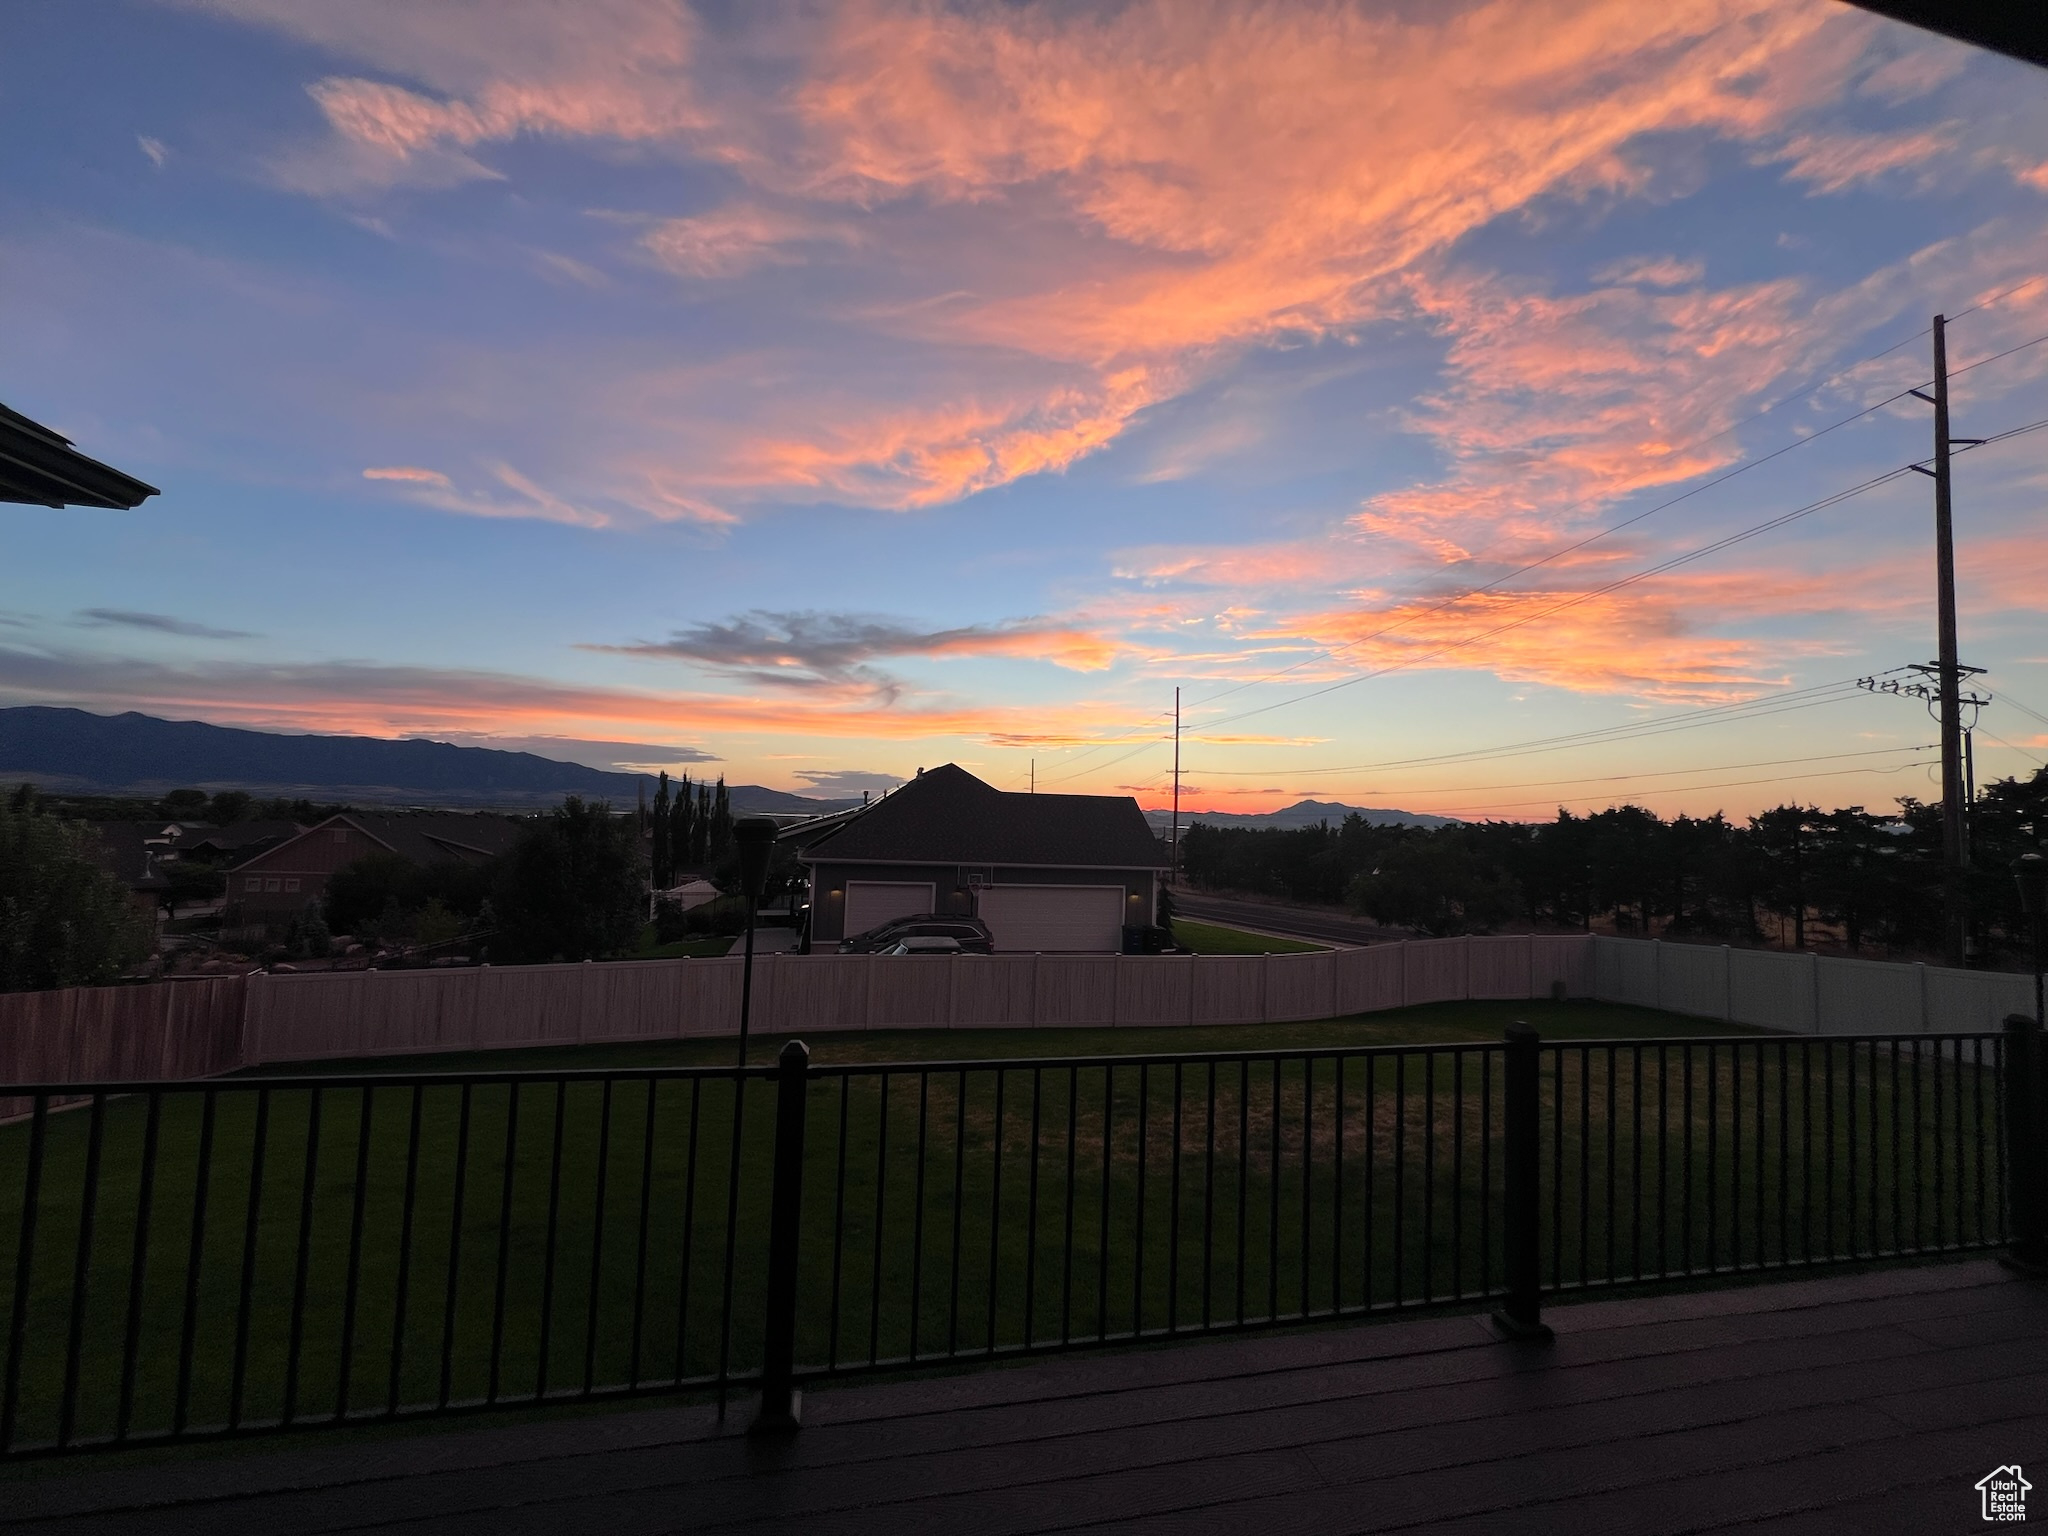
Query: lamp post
{"x": 2030, "y": 872}
{"x": 755, "y": 836}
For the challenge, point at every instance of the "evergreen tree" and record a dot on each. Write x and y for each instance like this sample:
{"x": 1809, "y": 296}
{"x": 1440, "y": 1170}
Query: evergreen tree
{"x": 700, "y": 834}
{"x": 721, "y": 822}
{"x": 63, "y": 921}
{"x": 661, "y": 867}
{"x": 683, "y": 827}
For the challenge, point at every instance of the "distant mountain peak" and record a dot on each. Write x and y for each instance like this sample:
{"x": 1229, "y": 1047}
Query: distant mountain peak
{"x": 76, "y": 751}
{"x": 1303, "y": 813}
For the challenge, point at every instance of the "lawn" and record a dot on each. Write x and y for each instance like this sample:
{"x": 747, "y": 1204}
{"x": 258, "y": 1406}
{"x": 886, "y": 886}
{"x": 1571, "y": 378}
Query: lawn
{"x": 1210, "y": 939}
{"x": 571, "y": 1234}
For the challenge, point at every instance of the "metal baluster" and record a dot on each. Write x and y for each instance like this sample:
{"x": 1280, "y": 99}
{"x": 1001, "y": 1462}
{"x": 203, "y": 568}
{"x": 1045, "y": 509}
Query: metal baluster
{"x": 1735, "y": 1156}
{"x": 959, "y": 1187}
{"x": 995, "y": 1207}
{"x": 640, "y": 1244}
{"x": 1209, "y": 1205}
{"x": 1400, "y": 1174}
{"x": 1940, "y": 1171}
{"x": 1244, "y": 1136}
{"x": 1784, "y": 1153}
{"x": 455, "y": 1250}
{"x": 1827, "y": 1097}
{"x": 1173, "y": 1216}
{"x": 690, "y": 1236}
{"x": 1138, "y": 1248}
{"x": 307, "y": 1189}
{"x": 1337, "y": 1195}
{"x": 1898, "y": 1167}
{"x": 1663, "y": 1159}
{"x": 924, "y": 1094}
{"x": 1485, "y": 1168}
{"x": 1102, "y": 1241}
{"x": 81, "y": 1275}
{"x": 839, "y": 1226}
{"x": 1585, "y": 1159}
{"x": 1371, "y": 1158}
{"x": 1919, "y": 1168}
{"x": 24, "y": 1265}
{"x": 1273, "y": 1208}
{"x": 138, "y": 1266}
{"x": 1613, "y": 1118}
{"x": 1685, "y": 1224}
{"x": 1557, "y": 1113}
{"x": 599, "y": 1195}
{"x": 250, "y": 1231}
{"x": 1067, "y": 1237}
{"x": 1428, "y": 1174}
{"x": 352, "y": 1285}
{"x": 547, "y": 1270}
{"x": 1308, "y": 1162}
{"x": 1636, "y": 1157}
{"x": 1849, "y": 1143}
{"x": 1977, "y": 1081}
{"x": 202, "y": 1180}
{"x": 881, "y": 1198}
{"x": 1031, "y": 1213}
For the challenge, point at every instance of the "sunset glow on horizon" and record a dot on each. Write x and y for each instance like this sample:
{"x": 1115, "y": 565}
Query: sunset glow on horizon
{"x": 811, "y": 394}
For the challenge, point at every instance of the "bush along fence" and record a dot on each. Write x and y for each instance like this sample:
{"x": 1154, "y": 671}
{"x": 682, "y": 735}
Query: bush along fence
{"x": 190, "y": 1028}
{"x": 252, "y": 1254}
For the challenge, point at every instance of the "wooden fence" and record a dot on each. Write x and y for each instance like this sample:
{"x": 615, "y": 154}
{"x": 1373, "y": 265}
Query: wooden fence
{"x": 195, "y": 1028}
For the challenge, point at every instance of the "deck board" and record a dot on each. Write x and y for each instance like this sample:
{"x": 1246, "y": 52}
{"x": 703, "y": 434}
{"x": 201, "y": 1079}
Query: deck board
{"x": 1859, "y": 1402}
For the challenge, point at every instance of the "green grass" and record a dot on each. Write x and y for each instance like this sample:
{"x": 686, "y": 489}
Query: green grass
{"x": 1200, "y": 1180}
{"x": 1210, "y": 939}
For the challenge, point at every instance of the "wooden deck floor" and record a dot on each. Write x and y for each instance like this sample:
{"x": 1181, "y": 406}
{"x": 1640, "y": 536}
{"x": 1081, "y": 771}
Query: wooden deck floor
{"x": 1863, "y": 1403}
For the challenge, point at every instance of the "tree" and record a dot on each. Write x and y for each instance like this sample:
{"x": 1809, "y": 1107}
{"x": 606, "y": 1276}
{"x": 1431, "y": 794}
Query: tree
{"x": 570, "y": 889}
{"x": 64, "y": 921}
{"x": 1437, "y": 882}
{"x": 700, "y": 831}
{"x": 720, "y": 838}
{"x": 660, "y": 864}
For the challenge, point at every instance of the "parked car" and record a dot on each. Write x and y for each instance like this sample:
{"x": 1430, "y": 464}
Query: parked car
{"x": 971, "y": 933}
{"x": 925, "y": 944}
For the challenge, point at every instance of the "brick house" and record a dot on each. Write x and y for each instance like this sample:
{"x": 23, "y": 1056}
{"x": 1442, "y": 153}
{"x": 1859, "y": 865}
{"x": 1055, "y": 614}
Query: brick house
{"x": 271, "y": 887}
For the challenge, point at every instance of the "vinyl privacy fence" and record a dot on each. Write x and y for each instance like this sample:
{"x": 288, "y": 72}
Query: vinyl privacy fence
{"x": 198, "y": 1028}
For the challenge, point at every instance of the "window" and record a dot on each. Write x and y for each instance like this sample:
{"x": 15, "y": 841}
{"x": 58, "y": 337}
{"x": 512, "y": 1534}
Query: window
{"x": 270, "y": 885}
{"x": 293, "y": 885}
{"x": 253, "y": 883}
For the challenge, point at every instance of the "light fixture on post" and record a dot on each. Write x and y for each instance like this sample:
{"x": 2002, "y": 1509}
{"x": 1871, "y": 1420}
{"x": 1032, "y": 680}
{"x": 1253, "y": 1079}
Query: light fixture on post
{"x": 755, "y": 836}
{"x": 2030, "y": 873}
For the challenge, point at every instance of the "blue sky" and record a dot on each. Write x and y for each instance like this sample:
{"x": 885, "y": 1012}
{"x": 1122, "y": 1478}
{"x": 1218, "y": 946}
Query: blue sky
{"x": 811, "y": 394}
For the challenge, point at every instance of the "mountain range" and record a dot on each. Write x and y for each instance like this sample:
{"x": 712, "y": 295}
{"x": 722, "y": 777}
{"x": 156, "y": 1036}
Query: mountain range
{"x": 73, "y": 751}
{"x": 1303, "y": 813}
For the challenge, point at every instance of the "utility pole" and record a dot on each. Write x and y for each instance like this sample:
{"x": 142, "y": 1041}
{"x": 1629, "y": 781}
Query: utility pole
{"x": 1955, "y": 893}
{"x": 1173, "y": 848}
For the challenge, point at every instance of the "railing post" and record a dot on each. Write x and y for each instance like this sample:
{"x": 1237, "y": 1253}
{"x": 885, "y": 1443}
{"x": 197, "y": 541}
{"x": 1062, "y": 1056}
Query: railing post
{"x": 781, "y": 1402}
{"x": 2026, "y": 1200}
{"x": 1521, "y": 1312}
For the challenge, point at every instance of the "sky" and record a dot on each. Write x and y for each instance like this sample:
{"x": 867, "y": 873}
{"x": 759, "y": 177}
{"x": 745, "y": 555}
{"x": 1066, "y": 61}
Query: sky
{"x": 810, "y": 393}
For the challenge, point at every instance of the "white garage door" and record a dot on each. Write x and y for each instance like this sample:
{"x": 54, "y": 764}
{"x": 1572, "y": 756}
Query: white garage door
{"x": 871, "y": 903}
{"x": 1086, "y": 918}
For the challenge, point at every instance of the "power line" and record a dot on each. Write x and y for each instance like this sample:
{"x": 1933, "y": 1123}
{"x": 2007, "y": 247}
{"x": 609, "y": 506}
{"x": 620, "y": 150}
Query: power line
{"x": 1756, "y": 530}
{"x": 1722, "y": 479}
{"x": 1713, "y": 714}
{"x": 1667, "y": 773}
{"x": 1687, "y": 789}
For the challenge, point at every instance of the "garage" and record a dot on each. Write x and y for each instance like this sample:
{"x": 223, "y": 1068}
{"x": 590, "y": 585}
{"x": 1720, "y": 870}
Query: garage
{"x": 1084, "y": 918}
{"x": 871, "y": 903}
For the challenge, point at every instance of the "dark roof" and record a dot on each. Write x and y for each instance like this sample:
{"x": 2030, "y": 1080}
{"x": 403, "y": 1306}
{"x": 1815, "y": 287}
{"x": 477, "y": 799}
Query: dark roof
{"x": 238, "y": 837}
{"x": 948, "y": 816}
{"x": 2018, "y": 31}
{"x": 39, "y": 467}
{"x": 122, "y": 851}
{"x": 422, "y": 839}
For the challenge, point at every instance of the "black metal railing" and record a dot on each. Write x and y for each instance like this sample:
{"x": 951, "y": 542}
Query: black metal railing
{"x": 250, "y": 1254}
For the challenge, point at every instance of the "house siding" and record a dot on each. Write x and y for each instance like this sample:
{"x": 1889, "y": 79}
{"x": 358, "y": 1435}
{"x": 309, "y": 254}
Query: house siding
{"x": 954, "y": 887}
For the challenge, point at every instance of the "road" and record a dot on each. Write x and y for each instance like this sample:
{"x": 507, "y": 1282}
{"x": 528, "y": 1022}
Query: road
{"x": 1321, "y": 923}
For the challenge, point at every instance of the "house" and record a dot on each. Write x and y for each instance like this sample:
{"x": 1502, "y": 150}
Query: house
{"x": 274, "y": 884}
{"x": 124, "y": 850}
{"x": 1045, "y": 872}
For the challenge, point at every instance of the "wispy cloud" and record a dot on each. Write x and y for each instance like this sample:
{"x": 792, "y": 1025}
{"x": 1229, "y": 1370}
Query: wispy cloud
{"x": 154, "y": 149}
{"x": 833, "y": 650}
{"x": 159, "y": 623}
{"x": 845, "y": 782}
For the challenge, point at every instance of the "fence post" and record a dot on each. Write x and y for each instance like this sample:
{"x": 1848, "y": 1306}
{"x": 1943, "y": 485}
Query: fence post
{"x": 2024, "y": 1162}
{"x": 1521, "y": 1312}
{"x": 781, "y": 1402}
